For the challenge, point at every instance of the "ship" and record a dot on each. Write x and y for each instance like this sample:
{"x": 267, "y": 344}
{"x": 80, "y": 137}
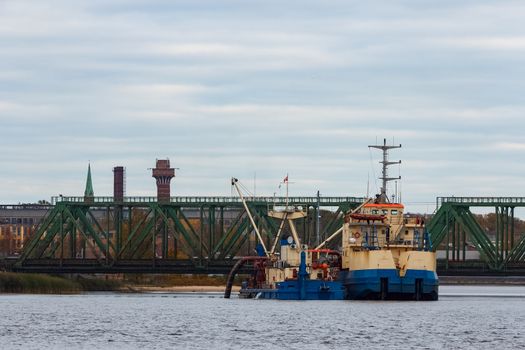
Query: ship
{"x": 385, "y": 254}
{"x": 292, "y": 272}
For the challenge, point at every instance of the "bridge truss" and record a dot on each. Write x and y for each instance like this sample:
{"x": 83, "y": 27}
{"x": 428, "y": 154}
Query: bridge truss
{"x": 184, "y": 235}
{"x": 454, "y": 228}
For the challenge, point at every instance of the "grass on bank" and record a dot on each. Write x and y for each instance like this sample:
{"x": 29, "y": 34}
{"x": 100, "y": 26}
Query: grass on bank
{"x": 11, "y": 282}
{"x": 36, "y": 283}
{"x": 95, "y": 284}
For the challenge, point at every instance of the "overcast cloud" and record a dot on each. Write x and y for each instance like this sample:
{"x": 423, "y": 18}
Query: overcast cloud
{"x": 233, "y": 88}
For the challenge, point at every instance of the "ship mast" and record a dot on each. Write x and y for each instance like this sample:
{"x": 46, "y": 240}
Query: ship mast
{"x": 383, "y": 198}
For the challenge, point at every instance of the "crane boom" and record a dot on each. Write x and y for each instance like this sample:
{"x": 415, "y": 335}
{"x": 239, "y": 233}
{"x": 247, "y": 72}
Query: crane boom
{"x": 234, "y": 183}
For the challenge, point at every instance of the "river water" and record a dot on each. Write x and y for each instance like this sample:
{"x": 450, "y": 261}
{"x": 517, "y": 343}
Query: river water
{"x": 465, "y": 317}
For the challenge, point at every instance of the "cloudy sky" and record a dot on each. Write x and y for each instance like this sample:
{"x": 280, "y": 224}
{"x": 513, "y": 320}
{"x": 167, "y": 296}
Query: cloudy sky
{"x": 234, "y": 88}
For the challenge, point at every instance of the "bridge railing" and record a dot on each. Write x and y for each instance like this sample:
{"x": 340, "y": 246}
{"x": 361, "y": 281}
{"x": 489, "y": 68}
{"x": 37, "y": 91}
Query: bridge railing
{"x": 214, "y": 200}
{"x": 25, "y": 206}
{"x": 480, "y": 201}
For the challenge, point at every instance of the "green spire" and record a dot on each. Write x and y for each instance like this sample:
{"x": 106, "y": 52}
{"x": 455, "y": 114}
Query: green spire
{"x": 89, "y": 185}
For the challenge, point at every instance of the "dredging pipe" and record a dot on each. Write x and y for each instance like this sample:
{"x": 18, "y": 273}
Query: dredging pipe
{"x": 240, "y": 263}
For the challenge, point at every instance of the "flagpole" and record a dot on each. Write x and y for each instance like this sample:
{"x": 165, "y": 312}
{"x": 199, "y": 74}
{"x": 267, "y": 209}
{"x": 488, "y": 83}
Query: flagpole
{"x": 287, "y": 181}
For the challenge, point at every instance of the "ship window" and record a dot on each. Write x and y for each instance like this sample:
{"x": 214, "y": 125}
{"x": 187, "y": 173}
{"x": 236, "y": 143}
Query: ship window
{"x": 406, "y": 232}
{"x": 393, "y": 212}
{"x": 375, "y": 211}
{"x": 385, "y": 212}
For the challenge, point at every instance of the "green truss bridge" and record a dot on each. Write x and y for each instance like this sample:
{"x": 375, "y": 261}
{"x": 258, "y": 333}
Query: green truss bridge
{"x": 207, "y": 234}
{"x": 456, "y": 232}
{"x": 184, "y": 235}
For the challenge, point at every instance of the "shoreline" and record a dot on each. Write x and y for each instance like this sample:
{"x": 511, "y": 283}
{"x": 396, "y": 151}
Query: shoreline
{"x": 176, "y": 289}
{"x": 132, "y": 289}
{"x": 482, "y": 280}
{"x": 444, "y": 281}
{"x": 17, "y": 283}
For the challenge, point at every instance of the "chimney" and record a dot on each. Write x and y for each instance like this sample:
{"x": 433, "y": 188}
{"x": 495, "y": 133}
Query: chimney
{"x": 118, "y": 183}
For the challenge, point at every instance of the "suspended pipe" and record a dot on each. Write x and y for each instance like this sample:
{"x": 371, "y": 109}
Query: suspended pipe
{"x": 231, "y": 277}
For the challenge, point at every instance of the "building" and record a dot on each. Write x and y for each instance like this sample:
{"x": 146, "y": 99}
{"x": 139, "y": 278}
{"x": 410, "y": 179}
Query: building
{"x": 17, "y": 223}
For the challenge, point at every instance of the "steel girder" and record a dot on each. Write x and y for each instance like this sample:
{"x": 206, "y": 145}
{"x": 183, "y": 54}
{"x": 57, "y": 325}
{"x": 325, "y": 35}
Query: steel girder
{"x": 112, "y": 234}
{"x": 455, "y": 222}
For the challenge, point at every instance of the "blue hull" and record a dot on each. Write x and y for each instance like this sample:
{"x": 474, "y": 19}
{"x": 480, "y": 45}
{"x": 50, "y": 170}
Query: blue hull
{"x": 291, "y": 290}
{"x": 386, "y": 284}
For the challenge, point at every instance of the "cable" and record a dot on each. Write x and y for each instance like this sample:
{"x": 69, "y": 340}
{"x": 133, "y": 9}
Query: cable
{"x": 245, "y": 189}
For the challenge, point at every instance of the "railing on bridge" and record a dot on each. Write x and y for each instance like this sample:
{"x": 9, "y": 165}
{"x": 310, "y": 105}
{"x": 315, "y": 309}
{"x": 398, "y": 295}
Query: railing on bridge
{"x": 26, "y": 206}
{"x": 214, "y": 200}
{"x": 480, "y": 201}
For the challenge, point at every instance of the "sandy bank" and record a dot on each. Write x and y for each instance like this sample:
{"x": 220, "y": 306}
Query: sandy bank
{"x": 178, "y": 289}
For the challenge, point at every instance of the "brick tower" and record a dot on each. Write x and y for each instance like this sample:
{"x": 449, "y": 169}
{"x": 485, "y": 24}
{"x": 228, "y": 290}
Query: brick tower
{"x": 163, "y": 174}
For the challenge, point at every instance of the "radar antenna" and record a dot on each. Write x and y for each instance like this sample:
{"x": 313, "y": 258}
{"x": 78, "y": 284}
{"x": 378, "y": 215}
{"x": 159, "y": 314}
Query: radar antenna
{"x": 383, "y": 198}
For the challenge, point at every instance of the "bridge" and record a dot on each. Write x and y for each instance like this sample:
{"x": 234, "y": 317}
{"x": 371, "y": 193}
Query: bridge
{"x": 182, "y": 235}
{"x": 207, "y": 234}
{"x": 454, "y": 228}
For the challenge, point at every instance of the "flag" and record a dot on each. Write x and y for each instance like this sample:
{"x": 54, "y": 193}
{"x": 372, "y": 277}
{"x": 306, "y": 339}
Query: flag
{"x": 285, "y": 179}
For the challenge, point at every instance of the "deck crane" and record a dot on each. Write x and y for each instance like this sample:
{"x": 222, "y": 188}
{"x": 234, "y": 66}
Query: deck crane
{"x": 261, "y": 241}
{"x": 286, "y": 216}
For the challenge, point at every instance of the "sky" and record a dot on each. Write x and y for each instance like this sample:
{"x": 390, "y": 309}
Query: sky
{"x": 261, "y": 89}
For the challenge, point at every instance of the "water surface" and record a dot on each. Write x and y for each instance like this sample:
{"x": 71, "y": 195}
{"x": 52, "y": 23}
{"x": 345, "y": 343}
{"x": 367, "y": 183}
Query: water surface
{"x": 465, "y": 317}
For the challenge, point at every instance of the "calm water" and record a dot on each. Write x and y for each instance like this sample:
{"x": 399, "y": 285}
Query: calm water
{"x": 464, "y": 318}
